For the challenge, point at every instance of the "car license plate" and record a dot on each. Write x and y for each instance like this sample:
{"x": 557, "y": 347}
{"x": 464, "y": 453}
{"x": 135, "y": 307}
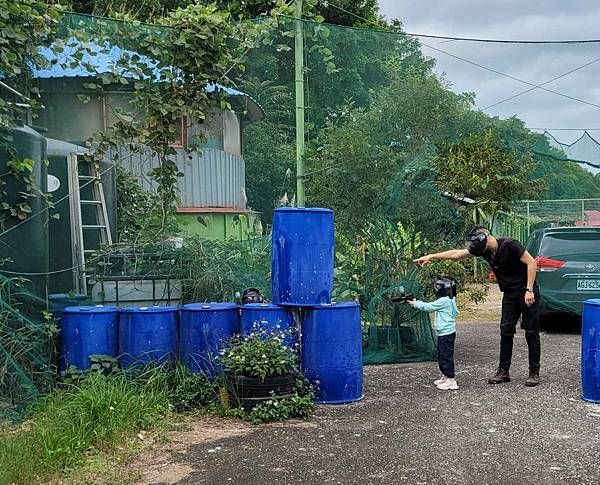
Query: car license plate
{"x": 588, "y": 285}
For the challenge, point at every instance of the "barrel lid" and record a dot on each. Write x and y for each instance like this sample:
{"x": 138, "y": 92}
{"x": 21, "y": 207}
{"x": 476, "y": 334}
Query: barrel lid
{"x": 206, "y": 307}
{"x": 592, "y": 302}
{"x": 334, "y": 306}
{"x": 303, "y": 209}
{"x": 149, "y": 309}
{"x": 65, "y": 296}
{"x": 263, "y": 306}
{"x": 90, "y": 309}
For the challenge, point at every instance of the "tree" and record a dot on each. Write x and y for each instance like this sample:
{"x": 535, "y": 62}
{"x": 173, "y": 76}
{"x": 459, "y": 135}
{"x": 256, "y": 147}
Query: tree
{"x": 270, "y": 167}
{"x": 352, "y": 12}
{"x": 25, "y": 25}
{"x": 482, "y": 168}
{"x": 140, "y": 9}
{"x": 356, "y": 163}
{"x": 364, "y": 63}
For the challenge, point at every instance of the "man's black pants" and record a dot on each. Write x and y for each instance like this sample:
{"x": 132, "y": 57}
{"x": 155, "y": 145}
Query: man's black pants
{"x": 513, "y": 307}
{"x": 446, "y": 354}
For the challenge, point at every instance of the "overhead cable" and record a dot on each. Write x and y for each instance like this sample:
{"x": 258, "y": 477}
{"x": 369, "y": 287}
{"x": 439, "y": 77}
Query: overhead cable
{"x": 470, "y": 39}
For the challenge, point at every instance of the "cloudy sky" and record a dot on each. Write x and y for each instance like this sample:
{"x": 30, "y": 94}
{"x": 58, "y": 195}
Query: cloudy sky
{"x": 522, "y": 20}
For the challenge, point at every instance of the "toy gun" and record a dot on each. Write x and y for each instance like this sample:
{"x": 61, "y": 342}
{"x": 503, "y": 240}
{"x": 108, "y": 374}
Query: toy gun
{"x": 403, "y": 298}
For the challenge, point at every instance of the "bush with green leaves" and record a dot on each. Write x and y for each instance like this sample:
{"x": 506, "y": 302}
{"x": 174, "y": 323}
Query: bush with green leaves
{"x": 188, "y": 390}
{"x": 297, "y": 406}
{"x": 260, "y": 356}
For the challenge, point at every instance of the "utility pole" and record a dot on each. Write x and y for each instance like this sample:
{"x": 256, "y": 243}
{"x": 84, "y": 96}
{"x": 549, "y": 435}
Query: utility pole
{"x": 299, "y": 64}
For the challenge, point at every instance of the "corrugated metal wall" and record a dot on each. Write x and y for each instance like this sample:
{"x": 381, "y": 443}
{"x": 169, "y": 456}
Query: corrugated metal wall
{"x": 232, "y": 135}
{"x": 212, "y": 178}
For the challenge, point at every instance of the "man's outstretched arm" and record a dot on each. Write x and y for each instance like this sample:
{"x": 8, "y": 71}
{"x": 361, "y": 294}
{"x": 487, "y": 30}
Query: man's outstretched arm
{"x": 451, "y": 254}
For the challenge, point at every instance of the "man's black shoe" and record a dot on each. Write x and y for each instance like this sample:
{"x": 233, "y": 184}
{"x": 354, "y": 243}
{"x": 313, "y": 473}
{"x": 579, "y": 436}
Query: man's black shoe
{"x": 500, "y": 377}
{"x": 533, "y": 379}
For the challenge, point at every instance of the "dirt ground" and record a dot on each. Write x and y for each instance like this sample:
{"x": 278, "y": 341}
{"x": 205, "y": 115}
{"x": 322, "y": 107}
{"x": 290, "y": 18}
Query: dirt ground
{"x": 407, "y": 431}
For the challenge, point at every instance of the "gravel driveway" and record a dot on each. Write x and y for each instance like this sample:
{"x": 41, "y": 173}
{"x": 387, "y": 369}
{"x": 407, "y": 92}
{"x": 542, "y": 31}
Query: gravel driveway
{"x": 407, "y": 431}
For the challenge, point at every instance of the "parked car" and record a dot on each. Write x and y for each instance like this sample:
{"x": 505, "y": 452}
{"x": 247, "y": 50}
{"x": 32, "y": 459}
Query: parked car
{"x": 568, "y": 260}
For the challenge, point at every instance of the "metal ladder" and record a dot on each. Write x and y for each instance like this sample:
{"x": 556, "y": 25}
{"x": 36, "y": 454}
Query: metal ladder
{"x": 83, "y": 173}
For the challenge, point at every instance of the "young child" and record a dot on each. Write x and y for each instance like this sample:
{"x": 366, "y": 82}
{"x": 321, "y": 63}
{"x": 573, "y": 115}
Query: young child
{"x": 445, "y": 327}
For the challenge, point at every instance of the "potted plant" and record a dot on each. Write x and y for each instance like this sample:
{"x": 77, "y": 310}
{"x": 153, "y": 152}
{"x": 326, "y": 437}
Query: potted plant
{"x": 259, "y": 368}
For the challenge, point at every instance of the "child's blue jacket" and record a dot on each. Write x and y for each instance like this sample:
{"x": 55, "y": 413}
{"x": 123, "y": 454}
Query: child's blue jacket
{"x": 445, "y": 314}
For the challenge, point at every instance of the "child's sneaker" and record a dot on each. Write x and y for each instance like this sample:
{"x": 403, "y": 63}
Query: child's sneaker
{"x": 448, "y": 384}
{"x": 440, "y": 380}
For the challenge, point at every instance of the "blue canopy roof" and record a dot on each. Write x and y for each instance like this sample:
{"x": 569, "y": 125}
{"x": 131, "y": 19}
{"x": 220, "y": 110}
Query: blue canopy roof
{"x": 97, "y": 59}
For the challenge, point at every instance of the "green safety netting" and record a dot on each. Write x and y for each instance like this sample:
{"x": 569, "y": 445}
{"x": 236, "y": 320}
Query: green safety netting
{"x": 394, "y": 332}
{"x": 537, "y": 214}
{"x": 27, "y": 352}
{"x": 585, "y": 150}
{"x": 375, "y": 114}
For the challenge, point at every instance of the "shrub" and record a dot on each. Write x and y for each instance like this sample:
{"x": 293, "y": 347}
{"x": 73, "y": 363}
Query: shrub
{"x": 297, "y": 406}
{"x": 187, "y": 390}
{"x": 259, "y": 356}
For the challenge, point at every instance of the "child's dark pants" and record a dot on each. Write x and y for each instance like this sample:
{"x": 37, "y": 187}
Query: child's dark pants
{"x": 446, "y": 354}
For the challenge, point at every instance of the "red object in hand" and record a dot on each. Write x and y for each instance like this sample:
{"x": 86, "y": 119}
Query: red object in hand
{"x": 491, "y": 276}
{"x": 547, "y": 264}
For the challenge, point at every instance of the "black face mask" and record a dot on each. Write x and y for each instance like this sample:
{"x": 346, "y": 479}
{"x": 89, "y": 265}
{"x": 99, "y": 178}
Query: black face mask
{"x": 476, "y": 244}
{"x": 251, "y": 296}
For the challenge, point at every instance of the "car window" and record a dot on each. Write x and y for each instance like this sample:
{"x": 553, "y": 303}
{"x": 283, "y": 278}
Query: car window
{"x": 584, "y": 245}
{"x": 533, "y": 243}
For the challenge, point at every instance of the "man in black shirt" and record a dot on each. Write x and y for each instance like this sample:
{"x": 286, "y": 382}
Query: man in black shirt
{"x": 515, "y": 270}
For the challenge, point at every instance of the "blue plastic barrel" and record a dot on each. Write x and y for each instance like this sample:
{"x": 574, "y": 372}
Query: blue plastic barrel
{"x": 204, "y": 329}
{"x": 332, "y": 352}
{"x": 590, "y": 351}
{"x": 302, "y": 256}
{"x": 57, "y": 302}
{"x": 147, "y": 334}
{"x": 85, "y": 331}
{"x": 268, "y": 318}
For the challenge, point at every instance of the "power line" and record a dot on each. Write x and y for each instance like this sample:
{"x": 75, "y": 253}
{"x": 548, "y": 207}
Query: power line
{"x": 543, "y": 84}
{"x": 566, "y": 129}
{"x": 470, "y": 39}
{"x": 535, "y": 86}
{"x": 503, "y": 41}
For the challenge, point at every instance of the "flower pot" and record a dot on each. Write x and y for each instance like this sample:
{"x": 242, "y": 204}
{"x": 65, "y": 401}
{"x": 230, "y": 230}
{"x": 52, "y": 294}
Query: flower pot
{"x": 247, "y": 392}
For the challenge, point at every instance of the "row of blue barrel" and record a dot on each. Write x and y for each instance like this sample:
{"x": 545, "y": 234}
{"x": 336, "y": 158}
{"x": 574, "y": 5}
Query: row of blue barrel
{"x": 197, "y": 332}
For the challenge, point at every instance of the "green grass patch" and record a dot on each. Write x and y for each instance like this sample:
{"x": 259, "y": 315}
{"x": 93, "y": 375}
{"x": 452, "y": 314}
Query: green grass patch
{"x": 83, "y": 424}
{"x": 65, "y": 425}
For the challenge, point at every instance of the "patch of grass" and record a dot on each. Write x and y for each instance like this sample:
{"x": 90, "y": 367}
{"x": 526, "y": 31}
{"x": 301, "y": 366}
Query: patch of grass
{"x": 93, "y": 420}
{"x": 66, "y": 425}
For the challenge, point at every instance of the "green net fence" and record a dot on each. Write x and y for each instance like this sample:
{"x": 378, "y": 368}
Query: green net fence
{"x": 191, "y": 128}
{"x": 556, "y": 213}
